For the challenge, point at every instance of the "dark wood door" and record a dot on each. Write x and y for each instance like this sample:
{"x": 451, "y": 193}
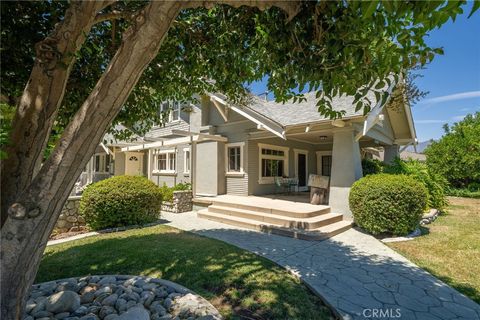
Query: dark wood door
{"x": 302, "y": 170}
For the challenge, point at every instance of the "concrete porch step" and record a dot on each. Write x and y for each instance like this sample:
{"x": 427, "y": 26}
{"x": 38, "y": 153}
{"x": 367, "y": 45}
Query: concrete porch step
{"x": 320, "y": 233}
{"x": 308, "y": 223}
{"x": 271, "y": 206}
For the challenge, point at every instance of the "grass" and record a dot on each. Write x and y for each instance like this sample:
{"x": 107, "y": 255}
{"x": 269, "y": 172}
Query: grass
{"x": 450, "y": 247}
{"x": 240, "y": 284}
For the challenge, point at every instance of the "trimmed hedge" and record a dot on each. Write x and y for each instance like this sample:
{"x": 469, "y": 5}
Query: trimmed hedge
{"x": 121, "y": 201}
{"x": 386, "y": 203}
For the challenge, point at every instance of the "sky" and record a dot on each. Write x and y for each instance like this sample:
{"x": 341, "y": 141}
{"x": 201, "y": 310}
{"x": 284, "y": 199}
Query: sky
{"x": 452, "y": 80}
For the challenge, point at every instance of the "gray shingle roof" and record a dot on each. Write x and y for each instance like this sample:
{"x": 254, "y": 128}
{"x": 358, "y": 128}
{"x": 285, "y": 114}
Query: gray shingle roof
{"x": 298, "y": 113}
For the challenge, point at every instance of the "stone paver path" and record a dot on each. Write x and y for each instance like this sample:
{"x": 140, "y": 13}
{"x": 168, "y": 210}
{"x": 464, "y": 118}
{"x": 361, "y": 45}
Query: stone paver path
{"x": 353, "y": 272}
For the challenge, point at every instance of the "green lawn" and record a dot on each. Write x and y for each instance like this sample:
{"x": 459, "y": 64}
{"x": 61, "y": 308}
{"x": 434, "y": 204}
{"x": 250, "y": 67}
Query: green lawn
{"x": 240, "y": 284}
{"x": 450, "y": 249}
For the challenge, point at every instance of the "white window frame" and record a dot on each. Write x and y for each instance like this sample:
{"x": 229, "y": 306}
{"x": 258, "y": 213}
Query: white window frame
{"x": 286, "y": 150}
{"x": 169, "y": 154}
{"x": 319, "y": 160}
{"x": 187, "y": 164}
{"x": 234, "y": 173}
{"x": 102, "y": 163}
{"x": 172, "y": 106}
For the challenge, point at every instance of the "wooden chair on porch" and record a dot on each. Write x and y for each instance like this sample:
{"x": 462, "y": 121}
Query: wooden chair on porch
{"x": 319, "y": 186}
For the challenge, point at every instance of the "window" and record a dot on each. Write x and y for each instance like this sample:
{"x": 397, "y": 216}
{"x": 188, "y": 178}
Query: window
{"x": 273, "y": 162}
{"x": 171, "y": 161}
{"x": 164, "y": 161}
{"x": 326, "y": 165}
{"x": 170, "y": 111}
{"x": 186, "y": 160}
{"x": 102, "y": 163}
{"x": 272, "y": 168}
{"x": 234, "y": 159}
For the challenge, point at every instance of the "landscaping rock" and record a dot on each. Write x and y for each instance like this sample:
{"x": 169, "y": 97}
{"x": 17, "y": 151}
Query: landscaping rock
{"x": 115, "y": 298}
{"x": 136, "y": 313}
{"x": 63, "y": 301}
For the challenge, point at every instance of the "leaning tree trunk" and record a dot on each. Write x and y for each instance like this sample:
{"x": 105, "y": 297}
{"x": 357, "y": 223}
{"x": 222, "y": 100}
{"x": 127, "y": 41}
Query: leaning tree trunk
{"x": 34, "y": 213}
{"x": 41, "y": 98}
{"x": 37, "y": 200}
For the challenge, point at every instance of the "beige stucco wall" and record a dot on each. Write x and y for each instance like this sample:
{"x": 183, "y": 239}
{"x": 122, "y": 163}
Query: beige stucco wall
{"x": 210, "y": 168}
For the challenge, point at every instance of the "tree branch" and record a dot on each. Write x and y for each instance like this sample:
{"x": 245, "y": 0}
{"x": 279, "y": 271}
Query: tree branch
{"x": 113, "y": 15}
{"x": 292, "y": 8}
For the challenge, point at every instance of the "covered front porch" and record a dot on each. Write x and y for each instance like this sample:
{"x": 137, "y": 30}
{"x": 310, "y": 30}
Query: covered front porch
{"x": 335, "y": 153}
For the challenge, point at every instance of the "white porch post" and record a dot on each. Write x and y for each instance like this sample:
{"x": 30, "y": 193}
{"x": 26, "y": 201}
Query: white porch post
{"x": 193, "y": 168}
{"x": 391, "y": 152}
{"x": 346, "y": 169}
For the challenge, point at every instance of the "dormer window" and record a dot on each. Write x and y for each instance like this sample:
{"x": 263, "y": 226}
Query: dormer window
{"x": 170, "y": 111}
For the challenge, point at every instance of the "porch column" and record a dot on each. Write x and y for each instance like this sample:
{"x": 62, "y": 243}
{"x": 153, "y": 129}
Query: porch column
{"x": 346, "y": 169}
{"x": 391, "y": 152}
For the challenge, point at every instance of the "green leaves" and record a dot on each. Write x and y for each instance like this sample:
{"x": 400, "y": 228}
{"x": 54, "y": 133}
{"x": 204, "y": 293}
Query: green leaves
{"x": 330, "y": 47}
{"x": 475, "y": 7}
{"x": 369, "y": 8}
{"x": 456, "y": 156}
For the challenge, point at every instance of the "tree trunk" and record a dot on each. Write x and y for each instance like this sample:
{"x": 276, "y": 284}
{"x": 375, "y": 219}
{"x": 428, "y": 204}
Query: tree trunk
{"x": 41, "y": 98}
{"x": 33, "y": 214}
{"x": 34, "y": 202}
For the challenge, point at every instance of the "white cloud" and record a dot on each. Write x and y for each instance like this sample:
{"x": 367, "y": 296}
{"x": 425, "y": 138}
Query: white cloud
{"x": 458, "y": 118}
{"x": 452, "y": 97}
{"x": 430, "y": 121}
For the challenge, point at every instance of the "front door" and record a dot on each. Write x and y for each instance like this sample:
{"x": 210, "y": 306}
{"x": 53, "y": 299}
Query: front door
{"x": 134, "y": 163}
{"x": 302, "y": 171}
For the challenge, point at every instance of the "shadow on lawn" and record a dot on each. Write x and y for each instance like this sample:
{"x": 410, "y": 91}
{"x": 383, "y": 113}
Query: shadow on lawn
{"x": 234, "y": 280}
{"x": 348, "y": 280}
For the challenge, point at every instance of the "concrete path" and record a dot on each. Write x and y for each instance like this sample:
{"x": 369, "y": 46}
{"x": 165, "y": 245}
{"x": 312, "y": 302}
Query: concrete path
{"x": 353, "y": 272}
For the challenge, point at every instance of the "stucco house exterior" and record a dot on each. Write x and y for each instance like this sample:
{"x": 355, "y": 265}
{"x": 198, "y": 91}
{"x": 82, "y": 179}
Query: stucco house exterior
{"x": 223, "y": 148}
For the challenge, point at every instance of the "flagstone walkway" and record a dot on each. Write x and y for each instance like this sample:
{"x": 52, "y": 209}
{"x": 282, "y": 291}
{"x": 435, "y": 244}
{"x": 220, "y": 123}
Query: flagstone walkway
{"x": 353, "y": 272}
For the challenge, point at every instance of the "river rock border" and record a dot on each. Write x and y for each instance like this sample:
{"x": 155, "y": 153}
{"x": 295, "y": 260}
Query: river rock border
{"x": 116, "y": 297}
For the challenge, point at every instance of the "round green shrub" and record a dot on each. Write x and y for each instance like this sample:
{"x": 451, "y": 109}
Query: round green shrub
{"x": 121, "y": 201}
{"x": 385, "y": 203}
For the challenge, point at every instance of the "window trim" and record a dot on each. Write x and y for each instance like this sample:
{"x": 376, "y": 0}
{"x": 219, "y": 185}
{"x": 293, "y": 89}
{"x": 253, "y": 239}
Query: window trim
{"x": 102, "y": 163}
{"x": 285, "y": 157}
{"x": 240, "y": 173}
{"x": 171, "y": 104}
{"x": 168, "y": 152}
{"x": 185, "y": 171}
{"x": 319, "y": 160}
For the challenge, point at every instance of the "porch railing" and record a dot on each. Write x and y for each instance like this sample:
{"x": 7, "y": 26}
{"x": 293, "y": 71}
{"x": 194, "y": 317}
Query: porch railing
{"x": 86, "y": 178}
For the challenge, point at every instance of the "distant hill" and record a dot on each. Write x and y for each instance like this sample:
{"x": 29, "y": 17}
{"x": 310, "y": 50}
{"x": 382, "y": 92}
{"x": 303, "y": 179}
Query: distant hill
{"x": 421, "y": 146}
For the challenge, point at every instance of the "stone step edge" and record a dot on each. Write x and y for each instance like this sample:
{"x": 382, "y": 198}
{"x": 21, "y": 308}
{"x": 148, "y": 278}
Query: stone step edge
{"x": 321, "y": 233}
{"x": 277, "y": 219}
{"x": 290, "y": 213}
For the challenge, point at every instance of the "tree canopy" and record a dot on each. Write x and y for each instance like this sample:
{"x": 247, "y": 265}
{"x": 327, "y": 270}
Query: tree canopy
{"x": 74, "y": 68}
{"x": 456, "y": 156}
{"x": 329, "y": 47}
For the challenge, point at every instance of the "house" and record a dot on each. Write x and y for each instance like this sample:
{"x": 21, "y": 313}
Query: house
{"x": 223, "y": 148}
